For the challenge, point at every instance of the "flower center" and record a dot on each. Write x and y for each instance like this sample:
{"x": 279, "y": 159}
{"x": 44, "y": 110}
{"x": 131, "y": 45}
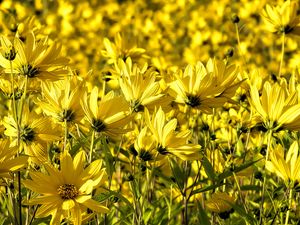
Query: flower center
{"x": 98, "y": 125}
{"x": 27, "y": 134}
{"x": 145, "y": 155}
{"x": 10, "y": 54}
{"x": 193, "y": 100}
{"x": 67, "y": 191}
{"x": 29, "y": 70}
{"x": 162, "y": 150}
{"x": 67, "y": 114}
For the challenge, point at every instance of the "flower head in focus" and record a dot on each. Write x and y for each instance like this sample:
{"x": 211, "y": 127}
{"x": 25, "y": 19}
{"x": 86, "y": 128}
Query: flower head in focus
{"x": 66, "y": 193}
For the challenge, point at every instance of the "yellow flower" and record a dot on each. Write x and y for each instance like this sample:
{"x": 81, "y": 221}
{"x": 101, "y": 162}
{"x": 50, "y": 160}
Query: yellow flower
{"x": 282, "y": 18}
{"x": 35, "y": 133}
{"x": 139, "y": 86}
{"x": 169, "y": 141}
{"x": 107, "y": 116}
{"x": 121, "y": 49}
{"x": 286, "y": 166}
{"x": 8, "y": 161}
{"x": 219, "y": 202}
{"x": 36, "y": 60}
{"x": 276, "y": 107}
{"x": 62, "y": 100}
{"x": 205, "y": 88}
{"x": 67, "y": 193}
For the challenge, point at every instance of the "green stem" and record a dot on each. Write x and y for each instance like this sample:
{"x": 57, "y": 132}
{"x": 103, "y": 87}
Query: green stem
{"x": 239, "y": 44}
{"x": 66, "y": 134}
{"x": 92, "y": 146}
{"x": 289, "y": 206}
{"x": 282, "y": 53}
{"x": 264, "y": 182}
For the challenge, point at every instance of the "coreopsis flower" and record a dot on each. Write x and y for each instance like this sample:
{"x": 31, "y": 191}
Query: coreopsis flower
{"x": 139, "y": 86}
{"x": 282, "y": 18}
{"x": 107, "y": 116}
{"x": 35, "y": 133}
{"x": 219, "y": 202}
{"x": 61, "y": 100}
{"x": 66, "y": 193}
{"x": 170, "y": 142}
{"x": 8, "y": 160}
{"x": 36, "y": 60}
{"x": 285, "y": 165}
{"x": 276, "y": 108}
{"x": 121, "y": 49}
{"x": 205, "y": 88}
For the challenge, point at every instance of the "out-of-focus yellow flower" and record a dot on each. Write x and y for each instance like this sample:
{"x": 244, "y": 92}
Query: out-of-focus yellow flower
{"x": 67, "y": 193}
{"x": 205, "y": 88}
{"x": 121, "y": 49}
{"x": 168, "y": 141}
{"x": 35, "y": 133}
{"x": 286, "y": 166}
{"x": 8, "y": 161}
{"x": 282, "y": 18}
{"x": 109, "y": 115}
{"x": 276, "y": 108}
{"x": 219, "y": 202}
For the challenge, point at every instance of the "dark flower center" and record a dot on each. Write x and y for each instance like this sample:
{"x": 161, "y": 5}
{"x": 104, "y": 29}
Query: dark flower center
{"x": 27, "y": 134}
{"x": 145, "y": 155}
{"x": 29, "y": 70}
{"x": 162, "y": 150}
{"x": 11, "y": 54}
{"x": 98, "y": 125}
{"x": 136, "y": 106}
{"x": 67, "y": 191}
{"x": 193, "y": 100}
{"x": 67, "y": 114}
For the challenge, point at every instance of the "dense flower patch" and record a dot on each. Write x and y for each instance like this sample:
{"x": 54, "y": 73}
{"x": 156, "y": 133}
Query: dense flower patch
{"x": 149, "y": 112}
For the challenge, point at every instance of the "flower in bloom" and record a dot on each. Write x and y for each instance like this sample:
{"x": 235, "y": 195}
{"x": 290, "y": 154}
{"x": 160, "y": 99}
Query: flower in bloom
{"x": 35, "y": 133}
{"x": 205, "y": 88}
{"x": 35, "y": 60}
{"x": 286, "y": 166}
{"x": 282, "y": 18}
{"x": 170, "y": 142}
{"x": 109, "y": 115}
{"x": 66, "y": 193}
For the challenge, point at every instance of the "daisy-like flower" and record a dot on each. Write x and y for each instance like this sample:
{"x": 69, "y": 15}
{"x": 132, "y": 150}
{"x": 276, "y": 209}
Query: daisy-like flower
{"x": 109, "y": 115}
{"x": 169, "y": 141}
{"x": 62, "y": 100}
{"x": 276, "y": 108}
{"x": 282, "y": 18}
{"x": 205, "y": 88}
{"x": 139, "y": 86}
{"x": 67, "y": 193}
{"x": 36, "y": 60}
{"x": 121, "y": 49}
{"x": 35, "y": 133}
{"x": 8, "y": 161}
{"x": 286, "y": 166}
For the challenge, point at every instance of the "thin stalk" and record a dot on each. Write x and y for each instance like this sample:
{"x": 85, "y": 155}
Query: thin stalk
{"x": 66, "y": 134}
{"x": 264, "y": 182}
{"x": 289, "y": 206}
{"x": 92, "y": 146}
{"x": 14, "y": 107}
{"x": 282, "y": 53}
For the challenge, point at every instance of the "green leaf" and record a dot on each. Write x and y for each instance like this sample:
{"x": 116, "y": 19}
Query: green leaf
{"x": 207, "y": 188}
{"x": 108, "y": 158}
{"x": 208, "y": 169}
{"x": 251, "y": 188}
{"x": 177, "y": 173}
{"x": 247, "y": 216}
{"x": 202, "y": 216}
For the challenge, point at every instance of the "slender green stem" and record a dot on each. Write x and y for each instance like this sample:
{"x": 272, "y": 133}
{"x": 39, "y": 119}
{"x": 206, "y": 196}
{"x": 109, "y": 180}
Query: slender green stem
{"x": 264, "y": 182}
{"x": 14, "y": 107}
{"x": 66, "y": 134}
{"x": 282, "y": 53}
{"x": 92, "y": 146}
{"x": 290, "y": 203}
{"x": 23, "y": 100}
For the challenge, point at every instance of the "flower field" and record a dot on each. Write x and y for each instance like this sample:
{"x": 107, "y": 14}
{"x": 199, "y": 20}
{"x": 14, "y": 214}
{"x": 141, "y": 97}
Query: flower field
{"x": 149, "y": 112}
